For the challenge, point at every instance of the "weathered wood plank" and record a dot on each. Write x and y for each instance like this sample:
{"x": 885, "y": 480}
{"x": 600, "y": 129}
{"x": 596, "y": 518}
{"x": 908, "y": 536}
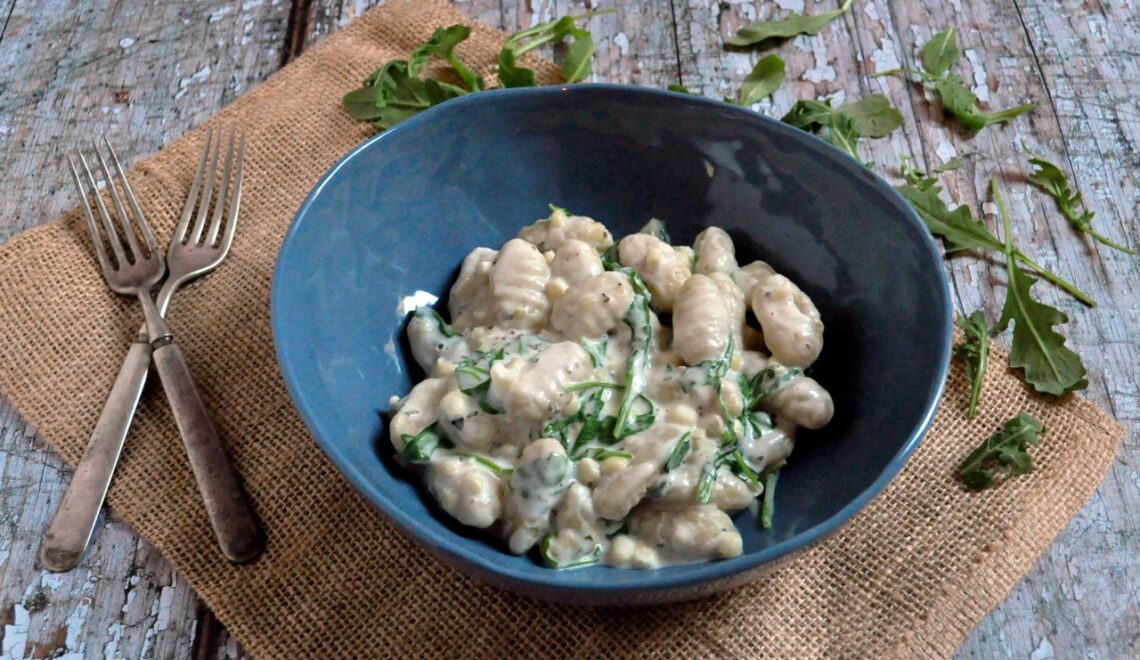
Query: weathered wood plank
{"x": 144, "y": 74}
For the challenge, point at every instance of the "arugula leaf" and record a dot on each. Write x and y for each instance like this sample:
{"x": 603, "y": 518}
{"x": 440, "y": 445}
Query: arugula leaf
{"x": 442, "y": 44}
{"x": 419, "y": 448}
{"x": 952, "y": 164}
{"x": 765, "y": 78}
{"x": 657, "y": 229}
{"x": 486, "y": 462}
{"x": 548, "y": 559}
{"x": 790, "y": 26}
{"x": 961, "y": 231}
{"x": 768, "y": 507}
{"x": 872, "y": 116}
{"x": 1039, "y": 351}
{"x": 938, "y": 55}
{"x": 975, "y": 352}
{"x": 1052, "y": 180}
{"x": 941, "y": 53}
{"x": 640, "y": 322}
{"x": 680, "y": 452}
{"x": 579, "y": 54}
{"x": 429, "y": 313}
{"x": 680, "y": 89}
{"x": 511, "y": 75}
{"x": 1004, "y": 452}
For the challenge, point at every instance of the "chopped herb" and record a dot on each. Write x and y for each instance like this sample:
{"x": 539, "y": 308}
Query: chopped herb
{"x": 680, "y": 89}
{"x": 975, "y": 352}
{"x": 1004, "y": 452}
{"x": 486, "y": 462}
{"x": 640, "y": 322}
{"x": 603, "y": 454}
{"x": 428, "y": 313}
{"x": 769, "y": 504}
{"x": 419, "y": 448}
{"x": 656, "y": 228}
{"x": 1049, "y": 366}
{"x": 708, "y": 480}
{"x": 589, "y": 384}
{"x": 765, "y": 78}
{"x": 768, "y": 381}
{"x": 680, "y": 452}
{"x": 790, "y": 26}
{"x": 1052, "y": 180}
{"x": 551, "y": 562}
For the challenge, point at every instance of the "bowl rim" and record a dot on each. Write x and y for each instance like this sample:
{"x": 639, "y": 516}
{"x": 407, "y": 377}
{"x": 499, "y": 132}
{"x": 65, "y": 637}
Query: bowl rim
{"x": 652, "y": 580}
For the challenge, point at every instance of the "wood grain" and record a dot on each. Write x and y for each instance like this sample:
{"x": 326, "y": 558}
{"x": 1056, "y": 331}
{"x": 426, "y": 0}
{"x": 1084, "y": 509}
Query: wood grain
{"x": 145, "y": 74}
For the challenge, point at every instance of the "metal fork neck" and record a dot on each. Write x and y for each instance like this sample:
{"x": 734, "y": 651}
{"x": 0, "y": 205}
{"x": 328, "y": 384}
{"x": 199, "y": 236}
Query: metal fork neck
{"x": 156, "y": 328}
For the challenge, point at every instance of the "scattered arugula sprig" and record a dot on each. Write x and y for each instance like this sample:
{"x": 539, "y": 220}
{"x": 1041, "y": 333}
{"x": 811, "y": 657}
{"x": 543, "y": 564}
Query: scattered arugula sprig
{"x": 398, "y": 90}
{"x": 1052, "y": 180}
{"x": 1038, "y": 350}
{"x": 975, "y": 352}
{"x": 872, "y": 117}
{"x": 793, "y": 25}
{"x": 938, "y": 55}
{"x": 1004, "y": 452}
{"x": 961, "y": 230}
{"x": 764, "y": 79}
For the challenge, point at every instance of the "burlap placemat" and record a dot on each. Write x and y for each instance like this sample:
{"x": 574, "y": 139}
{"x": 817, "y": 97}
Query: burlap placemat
{"x": 911, "y": 575}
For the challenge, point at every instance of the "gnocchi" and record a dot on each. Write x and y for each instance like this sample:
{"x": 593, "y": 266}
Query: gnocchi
{"x": 561, "y": 414}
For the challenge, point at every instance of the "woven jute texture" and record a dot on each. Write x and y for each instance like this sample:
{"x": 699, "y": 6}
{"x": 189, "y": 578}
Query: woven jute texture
{"x": 910, "y": 576}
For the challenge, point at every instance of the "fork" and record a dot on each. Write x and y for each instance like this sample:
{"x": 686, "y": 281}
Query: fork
{"x": 189, "y": 256}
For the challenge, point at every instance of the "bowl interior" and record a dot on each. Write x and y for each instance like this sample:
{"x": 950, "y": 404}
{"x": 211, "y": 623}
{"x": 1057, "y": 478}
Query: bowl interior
{"x": 387, "y": 227}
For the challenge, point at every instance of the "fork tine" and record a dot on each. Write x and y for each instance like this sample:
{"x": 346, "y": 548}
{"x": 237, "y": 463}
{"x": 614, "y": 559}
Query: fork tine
{"x": 124, "y": 219}
{"x": 207, "y": 192}
{"x": 140, "y": 219}
{"x": 191, "y": 200}
{"x": 235, "y": 198}
{"x": 108, "y": 225}
{"x": 220, "y": 206}
{"x": 96, "y": 238}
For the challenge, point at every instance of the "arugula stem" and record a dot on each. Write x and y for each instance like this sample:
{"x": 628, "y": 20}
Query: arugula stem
{"x": 1109, "y": 242}
{"x": 1047, "y": 274}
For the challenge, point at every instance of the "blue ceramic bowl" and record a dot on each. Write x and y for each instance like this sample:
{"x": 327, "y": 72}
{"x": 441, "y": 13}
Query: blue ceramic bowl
{"x": 398, "y": 214}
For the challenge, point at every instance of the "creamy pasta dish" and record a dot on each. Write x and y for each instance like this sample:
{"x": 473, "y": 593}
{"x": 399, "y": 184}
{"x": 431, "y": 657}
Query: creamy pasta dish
{"x": 610, "y": 403}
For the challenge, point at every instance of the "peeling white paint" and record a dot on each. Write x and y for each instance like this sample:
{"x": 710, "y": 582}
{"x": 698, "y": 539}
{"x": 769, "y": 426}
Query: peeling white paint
{"x": 250, "y": 4}
{"x": 1044, "y": 650}
{"x": 885, "y": 56}
{"x": 622, "y": 42}
{"x": 871, "y": 10}
{"x": 126, "y": 42}
{"x": 980, "y": 89}
{"x": 16, "y": 634}
{"x": 220, "y": 13}
{"x": 791, "y": 5}
{"x": 165, "y": 603}
{"x": 946, "y": 151}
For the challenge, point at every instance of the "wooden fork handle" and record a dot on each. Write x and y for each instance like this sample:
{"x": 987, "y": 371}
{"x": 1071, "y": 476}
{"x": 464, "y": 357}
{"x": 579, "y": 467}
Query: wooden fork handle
{"x": 231, "y": 516}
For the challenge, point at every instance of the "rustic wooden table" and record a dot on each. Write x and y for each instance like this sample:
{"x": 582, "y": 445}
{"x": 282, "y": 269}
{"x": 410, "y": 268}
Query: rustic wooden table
{"x": 145, "y": 72}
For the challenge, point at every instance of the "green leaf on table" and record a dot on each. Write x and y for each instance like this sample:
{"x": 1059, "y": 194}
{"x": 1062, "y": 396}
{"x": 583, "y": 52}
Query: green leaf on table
{"x": 941, "y": 52}
{"x": 872, "y": 117}
{"x": 790, "y": 26}
{"x": 952, "y": 164}
{"x": 1005, "y": 452}
{"x": 442, "y": 44}
{"x": 579, "y": 54}
{"x": 962, "y": 231}
{"x": 765, "y": 78}
{"x": 680, "y": 89}
{"x": 975, "y": 352}
{"x": 938, "y": 55}
{"x": 1052, "y": 180}
{"x": 1038, "y": 350}
{"x": 511, "y": 75}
